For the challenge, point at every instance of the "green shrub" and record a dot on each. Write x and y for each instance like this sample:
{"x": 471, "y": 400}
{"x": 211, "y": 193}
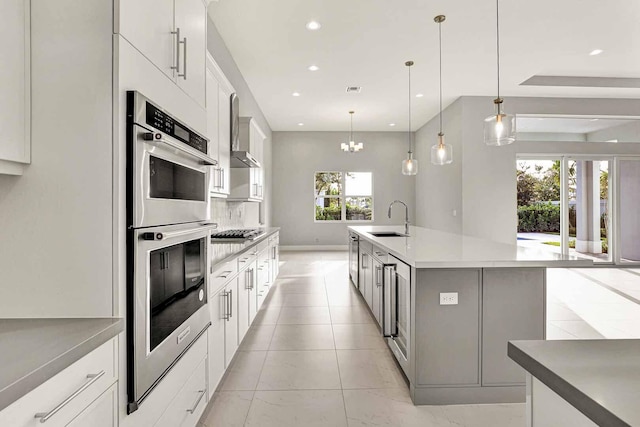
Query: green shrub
{"x": 539, "y": 218}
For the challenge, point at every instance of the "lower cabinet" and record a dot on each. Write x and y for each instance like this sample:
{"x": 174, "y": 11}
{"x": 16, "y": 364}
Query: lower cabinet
{"x": 189, "y": 404}
{"x": 231, "y": 321}
{"x": 102, "y": 411}
{"x": 80, "y": 395}
{"x": 376, "y": 297}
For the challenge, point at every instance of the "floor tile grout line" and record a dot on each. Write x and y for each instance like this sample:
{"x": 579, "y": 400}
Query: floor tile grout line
{"x": 606, "y": 286}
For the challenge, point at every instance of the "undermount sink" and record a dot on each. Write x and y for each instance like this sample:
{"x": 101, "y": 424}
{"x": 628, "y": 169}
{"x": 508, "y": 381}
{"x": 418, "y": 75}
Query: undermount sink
{"x": 387, "y": 234}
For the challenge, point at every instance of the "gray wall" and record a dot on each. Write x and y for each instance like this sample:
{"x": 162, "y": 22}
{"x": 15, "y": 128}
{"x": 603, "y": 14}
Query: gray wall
{"x": 487, "y": 189}
{"x": 298, "y": 155}
{"x": 254, "y": 212}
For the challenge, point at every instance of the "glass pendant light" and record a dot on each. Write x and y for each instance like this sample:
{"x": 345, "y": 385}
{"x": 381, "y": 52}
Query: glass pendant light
{"x": 351, "y": 147}
{"x": 499, "y": 129}
{"x": 441, "y": 153}
{"x": 409, "y": 165}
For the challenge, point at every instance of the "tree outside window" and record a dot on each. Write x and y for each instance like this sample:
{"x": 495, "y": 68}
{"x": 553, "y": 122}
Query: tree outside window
{"x": 343, "y": 196}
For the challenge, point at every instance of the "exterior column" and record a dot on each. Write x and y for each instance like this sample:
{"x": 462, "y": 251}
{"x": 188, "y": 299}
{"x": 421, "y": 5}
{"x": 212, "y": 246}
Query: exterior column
{"x": 588, "y": 207}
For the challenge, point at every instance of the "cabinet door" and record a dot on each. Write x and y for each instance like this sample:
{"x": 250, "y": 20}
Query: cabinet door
{"x": 149, "y": 26}
{"x": 101, "y": 413}
{"x": 368, "y": 280}
{"x": 231, "y": 322}
{"x": 362, "y": 268}
{"x": 513, "y": 303}
{"x": 191, "y": 19}
{"x": 244, "y": 290}
{"x": 14, "y": 86}
{"x": 224, "y": 132}
{"x": 212, "y": 129}
{"x": 253, "y": 291}
{"x": 376, "y": 298}
{"x": 217, "y": 307}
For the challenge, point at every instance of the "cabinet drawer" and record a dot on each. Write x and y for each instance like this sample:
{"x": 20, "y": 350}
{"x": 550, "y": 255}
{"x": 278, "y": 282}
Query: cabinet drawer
{"x": 185, "y": 409}
{"x": 366, "y": 247}
{"x": 222, "y": 274}
{"x": 68, "y": 393}
{"x": 246, "y": 259}
{"x": 262, "y": 245}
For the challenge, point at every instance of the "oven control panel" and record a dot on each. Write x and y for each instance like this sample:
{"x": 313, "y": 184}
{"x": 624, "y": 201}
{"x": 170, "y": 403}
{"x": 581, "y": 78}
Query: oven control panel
{"x": 170, "y": 126}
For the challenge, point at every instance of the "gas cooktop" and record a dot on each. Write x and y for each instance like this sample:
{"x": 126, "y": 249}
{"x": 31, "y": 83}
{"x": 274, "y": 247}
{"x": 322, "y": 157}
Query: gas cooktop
{"x": 237, "y": 235}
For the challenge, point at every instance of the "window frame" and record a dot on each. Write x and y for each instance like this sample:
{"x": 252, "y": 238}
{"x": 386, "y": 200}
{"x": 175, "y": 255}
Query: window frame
{"x": 343, "y": 199}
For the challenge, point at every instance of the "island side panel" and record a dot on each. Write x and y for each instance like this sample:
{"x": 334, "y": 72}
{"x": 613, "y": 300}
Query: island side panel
{"x": 513, "y": 301}
{"x": 447, "y": 336}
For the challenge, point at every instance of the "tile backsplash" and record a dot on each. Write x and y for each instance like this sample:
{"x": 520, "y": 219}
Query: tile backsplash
{"x": 229, "y": 215}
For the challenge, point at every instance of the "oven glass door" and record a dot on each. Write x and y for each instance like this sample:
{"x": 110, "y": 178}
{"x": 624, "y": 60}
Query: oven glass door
{"x": 169, "y": 186}
{"x": 176, "y": 287}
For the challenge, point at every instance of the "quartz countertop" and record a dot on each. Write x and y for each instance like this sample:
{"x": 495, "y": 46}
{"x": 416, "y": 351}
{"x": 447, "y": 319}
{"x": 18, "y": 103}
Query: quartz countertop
{"x": 600, "y": 378}
{"x": 34, "y": 350}
{"x": 427, "y": 248}
{"x": 224, "y": 251}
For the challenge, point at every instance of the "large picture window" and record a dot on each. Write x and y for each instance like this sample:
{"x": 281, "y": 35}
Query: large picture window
{"x": 343, "y": 196}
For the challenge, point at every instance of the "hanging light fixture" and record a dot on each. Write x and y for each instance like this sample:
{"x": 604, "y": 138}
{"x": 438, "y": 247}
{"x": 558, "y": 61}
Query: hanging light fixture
{"x": 351, "y": 147}
{"x": 499, "y": 129}
{"x": 409, "y": 165}
{"x": 441, "y": 153}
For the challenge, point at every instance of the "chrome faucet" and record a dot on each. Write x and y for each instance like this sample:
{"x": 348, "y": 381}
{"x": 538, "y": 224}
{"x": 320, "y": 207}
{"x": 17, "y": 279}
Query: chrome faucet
{"x": 406, "y": 217}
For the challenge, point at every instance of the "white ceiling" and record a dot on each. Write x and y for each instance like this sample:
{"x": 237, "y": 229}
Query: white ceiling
{"x": 366, "y": 42}
{"x": 566, "y": 125}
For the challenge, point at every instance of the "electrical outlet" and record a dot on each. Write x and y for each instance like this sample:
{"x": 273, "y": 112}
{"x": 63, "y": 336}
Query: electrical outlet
{"x": 448, "y": 298}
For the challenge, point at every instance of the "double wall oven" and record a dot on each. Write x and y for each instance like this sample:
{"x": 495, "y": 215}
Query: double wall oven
{"x": 168, "y": 233}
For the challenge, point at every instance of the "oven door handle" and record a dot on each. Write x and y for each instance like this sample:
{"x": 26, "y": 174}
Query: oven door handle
{"x": 169, "y": 234}
{"x": 159, "y": 137}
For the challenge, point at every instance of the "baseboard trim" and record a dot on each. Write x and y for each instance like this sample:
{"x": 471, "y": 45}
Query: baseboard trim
{"x": 315, "y": 248}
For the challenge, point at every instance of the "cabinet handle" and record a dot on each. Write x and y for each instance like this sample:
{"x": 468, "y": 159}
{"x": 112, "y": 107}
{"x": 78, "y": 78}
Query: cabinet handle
{"x": 184, "y": 73}
{"x": 230, "y": 305}
{"x": 364, "y": 260}
{"x": 177, "y": 66}
{"x": 378, "y": 281}
{"x": 193, "y": 408}
{"x": 380, "y": 253}
{"x": 225, "y": 274}
{"x": 45, "y": 416}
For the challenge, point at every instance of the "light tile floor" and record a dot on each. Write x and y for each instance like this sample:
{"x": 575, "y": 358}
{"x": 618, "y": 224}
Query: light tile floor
{"x": 314, "y": 358}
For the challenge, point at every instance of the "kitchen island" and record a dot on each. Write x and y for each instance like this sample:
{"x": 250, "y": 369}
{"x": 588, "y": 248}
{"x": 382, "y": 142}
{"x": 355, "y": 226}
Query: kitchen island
{"x": 448, "y": 305}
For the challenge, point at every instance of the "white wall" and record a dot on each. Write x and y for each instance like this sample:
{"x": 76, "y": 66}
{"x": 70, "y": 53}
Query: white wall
{"x": 298, "y": 155}
{"x": 488, "y": 186}
{"x": 439, "y": 188}
{"x": 254, "y": 212}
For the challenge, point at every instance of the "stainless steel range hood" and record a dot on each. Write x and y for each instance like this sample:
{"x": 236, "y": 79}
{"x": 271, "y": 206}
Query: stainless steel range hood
{"x": 241, "y": 138}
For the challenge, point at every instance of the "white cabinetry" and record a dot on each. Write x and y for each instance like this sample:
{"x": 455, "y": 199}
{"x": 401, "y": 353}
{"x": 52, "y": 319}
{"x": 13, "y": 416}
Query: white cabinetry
{"x": 82, "y": 391}
{"x": 231, "y": 319}
{"x": 219, "y": 92}
{"x": 172, "y": 34}
{"x": 15, "y": 135}
{"x": 217, "y": 305}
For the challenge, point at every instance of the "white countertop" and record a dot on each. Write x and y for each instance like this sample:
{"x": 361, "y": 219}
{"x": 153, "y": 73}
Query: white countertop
{"x": 427, "y": 248}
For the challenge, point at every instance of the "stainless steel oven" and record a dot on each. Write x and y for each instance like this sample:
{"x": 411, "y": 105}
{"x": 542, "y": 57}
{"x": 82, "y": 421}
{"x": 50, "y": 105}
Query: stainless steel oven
{"x": 168, "y": 240}
{"x": 168, "y": 167}
{"x": 169, "y": 298}
{"x": 396, "y": 309}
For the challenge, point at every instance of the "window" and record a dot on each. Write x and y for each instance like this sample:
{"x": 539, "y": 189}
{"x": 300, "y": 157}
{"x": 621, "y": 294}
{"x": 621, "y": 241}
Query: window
{"x": 344, "y": 196}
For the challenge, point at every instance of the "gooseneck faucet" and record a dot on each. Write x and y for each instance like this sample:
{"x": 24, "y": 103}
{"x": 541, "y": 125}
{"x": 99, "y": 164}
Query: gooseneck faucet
{"x": 406, "y": 215}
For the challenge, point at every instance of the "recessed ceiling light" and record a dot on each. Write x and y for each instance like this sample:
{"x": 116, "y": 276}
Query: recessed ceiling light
{"x": 313, "y": 68}
{"x": 392, "y": 124}
{"x": 300, "y": 124}
{"x": 419, "y": 95}
{"x": 313, "y": 25}
{"x": 295, "y": 94}
{"x": 594, "y": 120}
{"x": 596, "y": 52}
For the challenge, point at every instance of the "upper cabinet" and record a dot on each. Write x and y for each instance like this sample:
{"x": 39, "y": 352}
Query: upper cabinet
{"x": 247, "y": 184}
{"x": 15, "y": 135}
{"x": 219, "y": 92}
{"x": 173, "y": 35}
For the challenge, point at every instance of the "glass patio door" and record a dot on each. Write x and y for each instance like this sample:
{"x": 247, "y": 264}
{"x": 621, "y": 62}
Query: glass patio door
{"x": 627, "y": 218}
{"x": 587, "y": 220}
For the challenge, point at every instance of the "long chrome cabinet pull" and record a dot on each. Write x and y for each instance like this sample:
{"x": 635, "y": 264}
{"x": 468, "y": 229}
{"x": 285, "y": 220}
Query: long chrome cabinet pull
{"x": 230, "y": 304}
{"x": 45, "y": 416}
{"x": 184, "y": 72}
{"x": 177, "y": 66}
{"x": 193, "y": 408}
